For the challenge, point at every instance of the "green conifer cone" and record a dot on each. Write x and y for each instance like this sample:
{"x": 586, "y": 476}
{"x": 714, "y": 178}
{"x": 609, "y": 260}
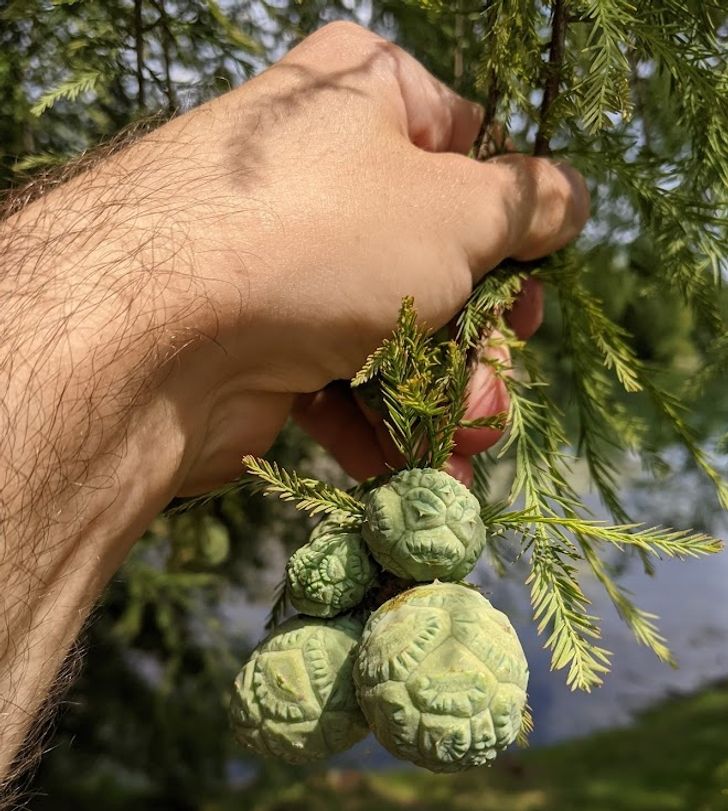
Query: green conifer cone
{"x": 337, "y": 521}
{"x": 441, "y": 677}
{"x": 294, "y": 698}
{"x": 424, "y": 524}
{"x": 331, "y": 573}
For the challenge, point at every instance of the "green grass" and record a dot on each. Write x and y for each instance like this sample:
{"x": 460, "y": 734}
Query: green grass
{"x": 674, "y": 758}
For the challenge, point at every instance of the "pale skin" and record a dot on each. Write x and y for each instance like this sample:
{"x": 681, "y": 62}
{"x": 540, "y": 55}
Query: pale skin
{"x": 167, "y": 311}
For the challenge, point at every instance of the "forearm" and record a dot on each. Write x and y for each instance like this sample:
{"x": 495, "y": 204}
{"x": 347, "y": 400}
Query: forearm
{"x": 91, "y": 442}
{"x": 135, "y": 302}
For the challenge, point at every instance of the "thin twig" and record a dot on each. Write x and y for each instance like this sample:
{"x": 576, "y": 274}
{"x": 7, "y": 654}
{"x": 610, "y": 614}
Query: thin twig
{"x": 640, "y": 100}
{"x": 167, "y": 40}
{"x": 458, "y": 68}
{"x": 553, "y": 70}
{"x": 139, "y": 48}
{"x": 491, "y": 137}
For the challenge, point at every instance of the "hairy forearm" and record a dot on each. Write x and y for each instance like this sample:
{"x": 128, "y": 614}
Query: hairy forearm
{"x": 128, "y": 338}
{"x": 88, "y": 335}
{"x": 131, "y": 331}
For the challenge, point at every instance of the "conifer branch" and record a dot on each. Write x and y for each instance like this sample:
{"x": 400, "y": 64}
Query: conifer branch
{"x": 498, "y": 421}
{"x": 310, "y": 495}
{"x": 560, "y": 605}
{"x": 235, "y": 35}
{"x": 512, "y": 57}
{"x": 716, "y": 364}
{"x": 641, "y": 623}
{"x": 526, "y": 727}
{"x": 556, "y": 534}
{"x": 452, "y": 391}
{"x": 69, "y": 90}
{"x": 673, "y": 543}
{"x": 200, "y": 502}
{"x": 552, "y": 82}
{"x": 584, "y": 315}
{"x": 652, "y": 541}
{"x": 495, "y": 294}
{"x": 422, "y": 382}
{"x": 483, "y": 465}
{"x": 485, "y": 145}
{"x": 604, "y": 86}
{"x": 139, "y": 53}
{"x": 594, "y": 343}
{"x": 673, "y": 411}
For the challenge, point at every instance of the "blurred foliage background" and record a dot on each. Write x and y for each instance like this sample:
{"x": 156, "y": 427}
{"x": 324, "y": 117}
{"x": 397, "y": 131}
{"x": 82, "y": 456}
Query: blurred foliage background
{"x": 145, "y": 727}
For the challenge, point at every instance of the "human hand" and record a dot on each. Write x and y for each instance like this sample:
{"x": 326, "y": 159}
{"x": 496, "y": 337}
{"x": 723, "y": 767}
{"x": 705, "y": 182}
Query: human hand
{"x": 170, "y": 307}
{"x": 342, "y": 187}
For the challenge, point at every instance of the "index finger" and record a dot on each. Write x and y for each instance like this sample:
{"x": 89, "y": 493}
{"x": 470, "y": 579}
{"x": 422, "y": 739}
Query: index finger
{"x": 419, "y": 106}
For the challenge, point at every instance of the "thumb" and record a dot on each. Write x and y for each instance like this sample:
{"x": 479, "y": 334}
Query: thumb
{"x": 513, "y": 206}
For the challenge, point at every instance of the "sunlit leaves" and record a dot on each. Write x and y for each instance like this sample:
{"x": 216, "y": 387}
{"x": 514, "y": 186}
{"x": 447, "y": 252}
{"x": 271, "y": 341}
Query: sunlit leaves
{"x": 310, "y": 495}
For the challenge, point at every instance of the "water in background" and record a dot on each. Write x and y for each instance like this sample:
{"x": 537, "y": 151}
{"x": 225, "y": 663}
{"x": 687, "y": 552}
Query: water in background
{"x": 690, "y": 597}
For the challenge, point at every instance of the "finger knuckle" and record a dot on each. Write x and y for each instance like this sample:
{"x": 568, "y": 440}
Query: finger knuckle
{"x": 339, "y": 28}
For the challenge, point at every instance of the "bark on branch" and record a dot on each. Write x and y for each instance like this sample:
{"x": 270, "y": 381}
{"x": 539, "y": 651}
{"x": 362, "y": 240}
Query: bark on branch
{"x": 553, "y": 70}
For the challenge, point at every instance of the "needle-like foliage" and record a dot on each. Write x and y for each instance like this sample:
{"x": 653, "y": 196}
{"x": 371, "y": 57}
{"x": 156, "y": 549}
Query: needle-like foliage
{"x": 550, "y": 525}
{"x": 422, "y": 379}
{"x": 578, "y": 78}
{"x": 421, "y": 382}
{"x": 310, "y": 495}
